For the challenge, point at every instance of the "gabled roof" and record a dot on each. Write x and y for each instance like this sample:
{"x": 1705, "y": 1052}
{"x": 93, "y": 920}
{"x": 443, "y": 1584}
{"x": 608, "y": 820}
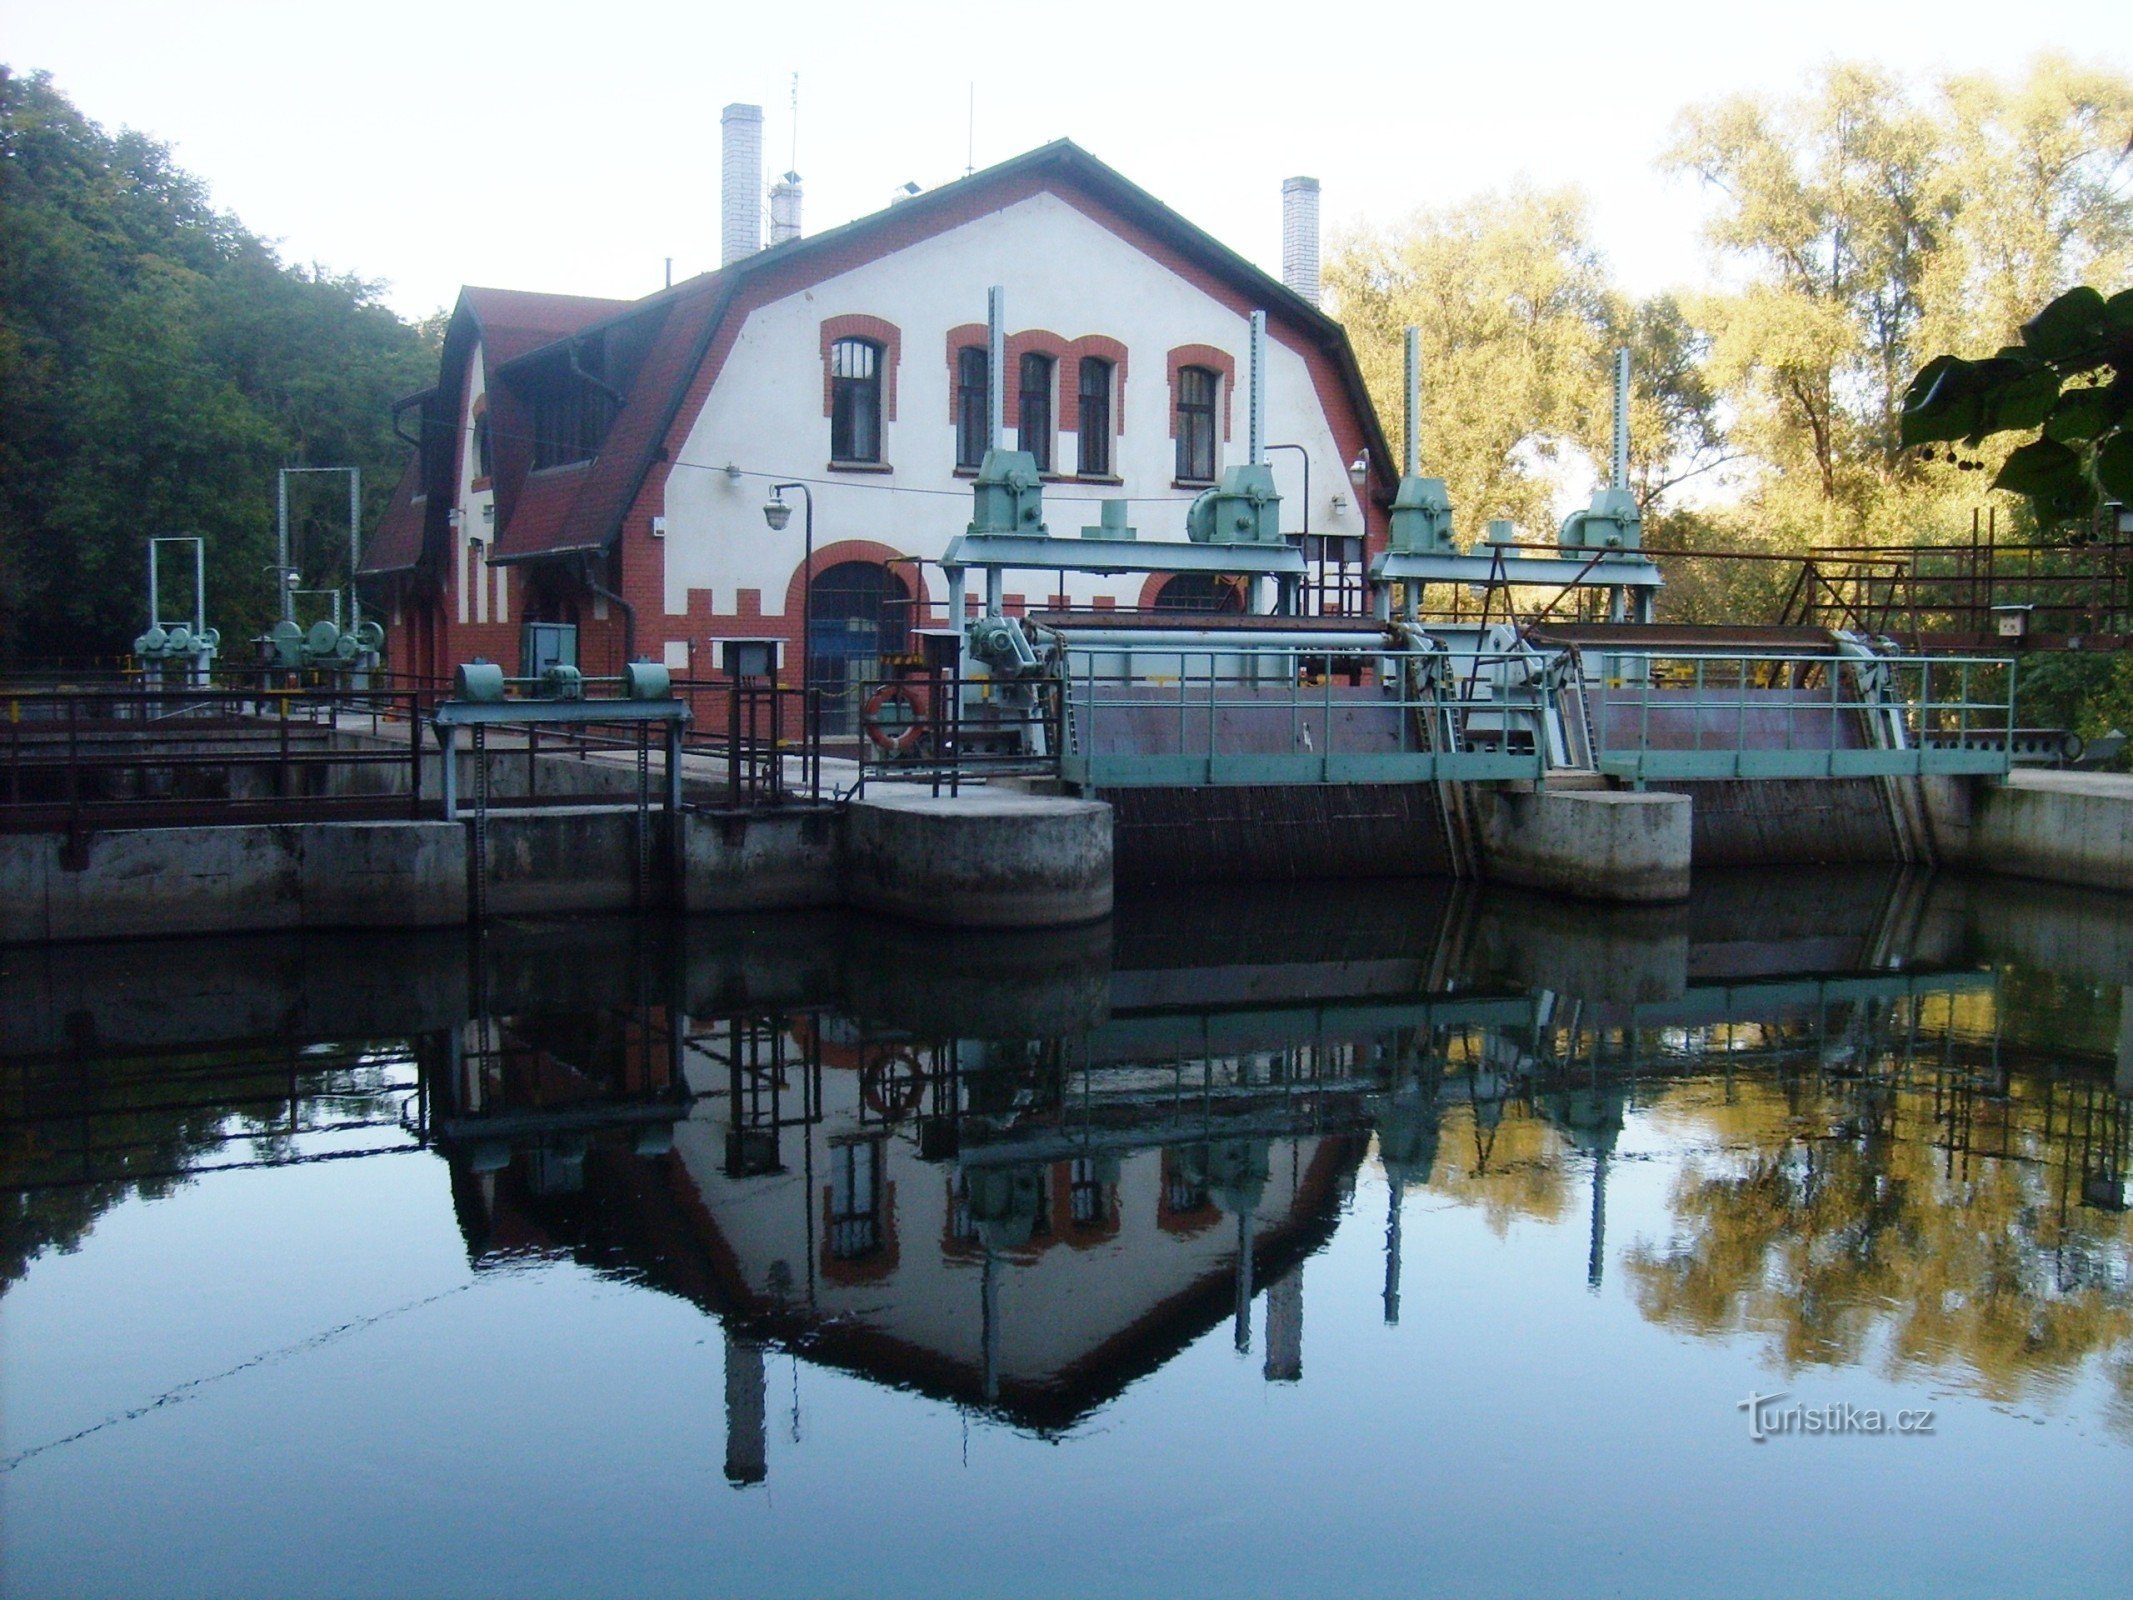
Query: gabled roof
{"x": 506, "y": 324}
{"x": 703, "y": 311}
{"x": 515, "y": 321}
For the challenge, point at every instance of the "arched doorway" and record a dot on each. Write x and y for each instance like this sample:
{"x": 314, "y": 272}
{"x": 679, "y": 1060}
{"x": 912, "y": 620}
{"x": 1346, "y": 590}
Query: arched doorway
{"x": 861, "y": 612}
{"x": 1200, "y": 591}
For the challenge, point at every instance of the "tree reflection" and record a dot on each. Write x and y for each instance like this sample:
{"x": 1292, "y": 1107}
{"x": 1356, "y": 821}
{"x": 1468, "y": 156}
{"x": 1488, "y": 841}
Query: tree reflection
{"x": 1939, "y": 1236}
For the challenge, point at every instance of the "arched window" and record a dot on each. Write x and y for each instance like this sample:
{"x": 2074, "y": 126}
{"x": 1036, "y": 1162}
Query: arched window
{"x": 1200, "y": 591}
{"x": 1095, "y": 428}
{"x": 1034, "y": 425}
{"x": 855, "y": 400}
{"x": 972, "y": 401}
{"x": 1198, "y": 390}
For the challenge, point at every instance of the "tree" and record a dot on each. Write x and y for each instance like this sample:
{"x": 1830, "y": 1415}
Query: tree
{"x": 1515, "y": 316}
{"x": 1833, "y": 203}
{"x": 157, "y": 364}
{"x": 1870, "y": 226}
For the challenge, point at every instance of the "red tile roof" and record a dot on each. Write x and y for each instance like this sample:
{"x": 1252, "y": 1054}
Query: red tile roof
{"x": 542, "y": 512}
{"x": 396, "y": 546}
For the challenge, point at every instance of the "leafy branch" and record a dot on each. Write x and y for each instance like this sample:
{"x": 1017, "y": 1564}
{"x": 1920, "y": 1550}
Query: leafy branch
{"x": 2071, "y": 379}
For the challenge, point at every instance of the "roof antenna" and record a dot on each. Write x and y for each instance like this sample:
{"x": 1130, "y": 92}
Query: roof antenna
{"x": 794, "y": 164}
{"x": 670, "y": 272}
{"x": 970, "y": 149}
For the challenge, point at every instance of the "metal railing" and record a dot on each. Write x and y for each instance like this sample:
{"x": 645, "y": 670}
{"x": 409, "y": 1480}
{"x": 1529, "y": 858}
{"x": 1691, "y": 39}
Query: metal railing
{"x": 768, "y": 736}
{"x": 941, "y": 729}
{"x": 1706, "y": 715}
{"x": 82, "y": 758}
{"x": 1295, "y": 715}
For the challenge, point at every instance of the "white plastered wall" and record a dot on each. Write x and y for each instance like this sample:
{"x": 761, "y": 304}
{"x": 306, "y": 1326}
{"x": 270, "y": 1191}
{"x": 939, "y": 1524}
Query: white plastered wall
{"x": 1063, "y": 272}
{"x": 482, "y": 592}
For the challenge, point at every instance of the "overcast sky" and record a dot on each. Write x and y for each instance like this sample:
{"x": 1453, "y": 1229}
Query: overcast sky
{"x": 573, "y": 147}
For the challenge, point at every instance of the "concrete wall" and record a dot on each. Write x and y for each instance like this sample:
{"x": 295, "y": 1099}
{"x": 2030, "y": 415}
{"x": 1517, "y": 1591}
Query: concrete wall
{"x": 129, "y": 882}
{"x": 2072, "y": 828}
{"x": 763, "y": 861}
{"x": 988, "y": 859}
{"x": 1252, "y": 834}
{"x": 1784, "y": 821}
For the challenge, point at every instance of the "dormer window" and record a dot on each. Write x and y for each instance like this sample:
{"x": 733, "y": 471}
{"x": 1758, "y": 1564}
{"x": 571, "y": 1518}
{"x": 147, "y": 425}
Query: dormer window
{"x": 569, "y": 417}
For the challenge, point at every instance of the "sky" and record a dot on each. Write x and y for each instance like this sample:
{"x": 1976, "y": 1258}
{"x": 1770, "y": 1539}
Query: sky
{"x": 574, "y": 147}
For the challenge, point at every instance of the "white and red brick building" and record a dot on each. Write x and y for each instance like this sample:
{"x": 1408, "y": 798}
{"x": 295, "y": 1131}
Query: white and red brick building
{"x": 605, "y": 463}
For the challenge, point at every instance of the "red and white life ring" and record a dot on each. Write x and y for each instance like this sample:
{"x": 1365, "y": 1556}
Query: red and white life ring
{"x": 895, "y": 717}
{"x": 894, "y": 1086}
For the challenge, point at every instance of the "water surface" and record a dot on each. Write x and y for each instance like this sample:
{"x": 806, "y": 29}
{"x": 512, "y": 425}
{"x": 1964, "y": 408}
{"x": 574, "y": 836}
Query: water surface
{"x": 1308, "y": 1240}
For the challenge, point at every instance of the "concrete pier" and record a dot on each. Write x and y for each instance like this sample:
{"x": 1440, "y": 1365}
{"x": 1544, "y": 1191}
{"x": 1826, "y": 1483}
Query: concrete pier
{"x": 984, "y": 859}
{"x": 1597, "y": 844}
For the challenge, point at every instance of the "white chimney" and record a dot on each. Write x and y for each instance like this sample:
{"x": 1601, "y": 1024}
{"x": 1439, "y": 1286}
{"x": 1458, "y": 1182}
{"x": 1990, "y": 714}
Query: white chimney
{"x": 1299, "y": 236}
{"x": 740, "y": 230}
{"x": 785, "y": 208}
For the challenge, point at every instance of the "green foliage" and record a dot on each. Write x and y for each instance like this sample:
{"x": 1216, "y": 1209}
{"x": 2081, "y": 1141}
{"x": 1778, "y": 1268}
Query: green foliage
{"x": 1869, "y": 225}
{"x": 158, "y": 363}
{"x": 2085, "y": 454}
{"x": 1518, "y": 322}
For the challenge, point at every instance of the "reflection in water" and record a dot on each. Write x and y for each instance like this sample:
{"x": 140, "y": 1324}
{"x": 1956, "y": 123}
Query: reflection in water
{"x": 1022, "y": 1174}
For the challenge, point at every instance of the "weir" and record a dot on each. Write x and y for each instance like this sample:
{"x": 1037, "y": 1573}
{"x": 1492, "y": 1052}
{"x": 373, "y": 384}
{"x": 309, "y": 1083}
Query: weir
{"x": 1504, "y": 711}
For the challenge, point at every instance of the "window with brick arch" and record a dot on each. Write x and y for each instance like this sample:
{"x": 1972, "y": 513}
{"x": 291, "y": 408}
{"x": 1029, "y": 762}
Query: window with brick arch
{"x": 1095, "y": 437}
{"x": 1198, "y": 390}
{"x": 855, "y": 400}
{"x": 972, "y": 402}
{"x": 1034, "y": 425}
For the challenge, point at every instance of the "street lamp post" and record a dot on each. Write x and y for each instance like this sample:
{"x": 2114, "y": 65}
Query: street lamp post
{"x": 777, "y": 513}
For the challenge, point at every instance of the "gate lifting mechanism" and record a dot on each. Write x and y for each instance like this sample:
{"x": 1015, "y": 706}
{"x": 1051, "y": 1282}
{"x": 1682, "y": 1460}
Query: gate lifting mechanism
{"x": 192, "y": 646}
{"x": 558, "y": 696}
{"x": 290, "y": 647}
{"x": 1277, "y": 696}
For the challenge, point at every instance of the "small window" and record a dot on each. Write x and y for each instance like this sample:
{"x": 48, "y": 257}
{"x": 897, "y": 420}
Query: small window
{"x": 1095, "y": 437}
{"x": 855, "y": 1201}
{"x": 1197, "y": 390}
{"x": 1034, "y": 425}
{"x": 484, "y": 460}
{"x": 855, "y": 400}
{"x": 972, "y": 401}
{"x": 1088, "y": 1196}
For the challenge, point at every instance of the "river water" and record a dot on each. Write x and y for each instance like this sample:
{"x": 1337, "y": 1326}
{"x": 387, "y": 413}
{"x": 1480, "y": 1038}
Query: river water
{"x": 1293, "y": 1241}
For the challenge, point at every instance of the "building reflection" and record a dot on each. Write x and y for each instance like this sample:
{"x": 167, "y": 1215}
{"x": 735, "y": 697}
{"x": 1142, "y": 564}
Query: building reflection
{"x": 1020, "y": 1174}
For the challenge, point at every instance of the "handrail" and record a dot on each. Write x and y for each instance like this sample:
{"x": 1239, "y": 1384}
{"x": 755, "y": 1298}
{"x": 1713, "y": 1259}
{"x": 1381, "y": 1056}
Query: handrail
{"x": 1709, "y": 714}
